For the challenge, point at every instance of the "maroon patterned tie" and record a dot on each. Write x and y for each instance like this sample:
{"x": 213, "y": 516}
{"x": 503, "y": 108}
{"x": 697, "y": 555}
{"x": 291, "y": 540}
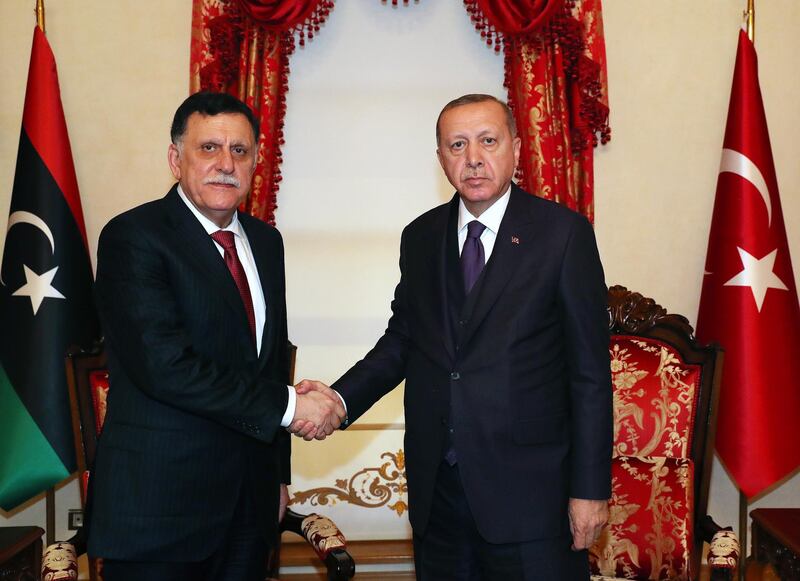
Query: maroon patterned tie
{"x": 226, "y": 239}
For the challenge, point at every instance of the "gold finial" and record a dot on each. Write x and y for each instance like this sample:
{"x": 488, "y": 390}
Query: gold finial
{"x": 40, "y": 14}
{"x": 750, "y": 17}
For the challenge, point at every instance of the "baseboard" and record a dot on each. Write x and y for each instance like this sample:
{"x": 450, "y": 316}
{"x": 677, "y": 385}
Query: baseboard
{"x": 298, "y": 558}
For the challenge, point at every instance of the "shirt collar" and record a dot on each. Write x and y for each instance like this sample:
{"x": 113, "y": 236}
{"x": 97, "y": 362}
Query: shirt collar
{"x": 209, "y": 226}
{"x": 491, "y": 218}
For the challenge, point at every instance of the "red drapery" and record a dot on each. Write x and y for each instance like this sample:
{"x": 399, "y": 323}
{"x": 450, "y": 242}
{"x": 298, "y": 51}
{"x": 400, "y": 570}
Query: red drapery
{"x": 555, "y": 74}
{"x": 242, "y": 47}
{"x": 555, "y": 68}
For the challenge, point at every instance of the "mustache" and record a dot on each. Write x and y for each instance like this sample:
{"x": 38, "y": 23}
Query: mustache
{"x": 222, "y": 179}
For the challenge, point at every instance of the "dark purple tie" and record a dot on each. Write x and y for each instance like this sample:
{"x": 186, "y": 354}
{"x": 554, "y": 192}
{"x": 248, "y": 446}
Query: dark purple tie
{"x": 225, "y": 239}
{"x": 472, "y": 256}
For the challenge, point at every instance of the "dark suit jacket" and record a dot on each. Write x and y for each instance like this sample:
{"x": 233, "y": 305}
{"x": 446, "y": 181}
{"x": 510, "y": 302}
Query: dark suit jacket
{"x": 519, "y": 369}
{"x": 193, "y": 412}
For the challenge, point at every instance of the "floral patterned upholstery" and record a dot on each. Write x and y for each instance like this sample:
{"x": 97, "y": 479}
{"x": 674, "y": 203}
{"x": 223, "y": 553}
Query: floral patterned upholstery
{"x": 650, "y": 531}
{"x": 98, "y": 384}
{"x": 723, "y": 552}
{"x": 98, "y": 390}
{"x": 60, "y": 563}
{"x": 323, "y": 535}
{"x": 654, "y": 398}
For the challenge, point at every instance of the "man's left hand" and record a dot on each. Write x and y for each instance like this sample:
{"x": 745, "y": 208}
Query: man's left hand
{"x": 586, "y": 520}
{"x": 284, "y": 502}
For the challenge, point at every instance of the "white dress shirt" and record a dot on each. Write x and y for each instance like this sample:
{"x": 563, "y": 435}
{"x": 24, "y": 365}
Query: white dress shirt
{"x": 253, "y": 281}
{"x": 491, "y": 218}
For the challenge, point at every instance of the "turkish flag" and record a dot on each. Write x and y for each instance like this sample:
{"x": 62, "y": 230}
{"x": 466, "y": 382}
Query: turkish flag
{"x": 749, "y": 299}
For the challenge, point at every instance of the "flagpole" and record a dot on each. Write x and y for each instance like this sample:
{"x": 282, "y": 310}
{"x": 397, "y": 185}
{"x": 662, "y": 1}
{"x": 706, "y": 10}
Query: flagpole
{"x": 40, "y": 14}
{"x": 742, "y": 535}
{"x": 750, "y": 20}
{"x": 50, "y": 493}
{"x": 750, "y": 15}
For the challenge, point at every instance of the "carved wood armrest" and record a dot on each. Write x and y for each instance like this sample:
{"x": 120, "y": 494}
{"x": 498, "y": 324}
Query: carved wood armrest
{"x": 326, "y": 539}
{"x": 723, "y": 555}
{"x": 321, "y": 532}
{"x": 60, "y": 562}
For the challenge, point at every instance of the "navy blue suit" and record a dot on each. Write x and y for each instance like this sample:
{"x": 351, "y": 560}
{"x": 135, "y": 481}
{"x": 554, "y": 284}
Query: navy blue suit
{"x": 515, "y": 375}
{"x": 193, "y": 411}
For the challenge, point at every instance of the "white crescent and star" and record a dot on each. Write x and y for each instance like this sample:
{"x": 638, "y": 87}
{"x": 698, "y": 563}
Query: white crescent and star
{"x": 756, "y": 273}
{"x": 37, "y": 287}
{"x": 741, "y": 165}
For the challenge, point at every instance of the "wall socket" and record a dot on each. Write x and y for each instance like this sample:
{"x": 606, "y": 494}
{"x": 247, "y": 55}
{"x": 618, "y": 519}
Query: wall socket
{"x": 74, "y": 519}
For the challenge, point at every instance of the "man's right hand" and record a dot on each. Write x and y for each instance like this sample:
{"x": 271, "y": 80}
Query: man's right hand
{"x": 318, "y": 411}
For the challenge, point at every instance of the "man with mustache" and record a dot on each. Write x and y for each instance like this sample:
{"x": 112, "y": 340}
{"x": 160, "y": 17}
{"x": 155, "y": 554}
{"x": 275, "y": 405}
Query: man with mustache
{"x": 191, "y": 469}
{"x": 499, "y": 329}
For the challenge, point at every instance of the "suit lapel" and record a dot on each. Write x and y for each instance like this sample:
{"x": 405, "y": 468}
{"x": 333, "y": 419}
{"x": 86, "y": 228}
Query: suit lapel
{"x": 514, "y": 235}
{"x": 199, "y": 249}
{"x": 451, "y": 285}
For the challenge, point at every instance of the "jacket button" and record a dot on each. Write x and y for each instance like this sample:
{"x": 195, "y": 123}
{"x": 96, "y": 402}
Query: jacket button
{"x": 462, "y": 322}
{"x": 444, "y": 421}
{"x": 455, "y": 376}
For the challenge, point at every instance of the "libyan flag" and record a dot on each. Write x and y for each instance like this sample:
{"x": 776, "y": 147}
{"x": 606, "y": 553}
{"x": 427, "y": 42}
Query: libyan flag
{"x": 45, "y": 294}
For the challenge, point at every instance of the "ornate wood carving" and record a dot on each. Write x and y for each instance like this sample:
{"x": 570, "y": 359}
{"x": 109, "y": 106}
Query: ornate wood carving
{"x": 371, "y": 487}
{"x": 631, "y": 313}
{"x": 776, "y": 540}
{"x": 20, "y": 553}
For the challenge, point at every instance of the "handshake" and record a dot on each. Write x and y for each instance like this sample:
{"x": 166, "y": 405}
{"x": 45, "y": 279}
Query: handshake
{"x": 318, "y": 412}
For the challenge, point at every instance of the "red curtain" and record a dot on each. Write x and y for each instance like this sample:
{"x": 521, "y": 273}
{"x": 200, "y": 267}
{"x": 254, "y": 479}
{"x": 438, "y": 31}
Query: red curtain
{"x": 555, "y": 73}
{"x": 242, "y": 47}
{"x": 516, "y": 17}
{"x": 279, "y": 14}
{"x": 555, "y": 68}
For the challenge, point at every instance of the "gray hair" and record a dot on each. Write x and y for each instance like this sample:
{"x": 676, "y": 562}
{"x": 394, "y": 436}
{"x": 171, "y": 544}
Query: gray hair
{"x": 478, "y": 98}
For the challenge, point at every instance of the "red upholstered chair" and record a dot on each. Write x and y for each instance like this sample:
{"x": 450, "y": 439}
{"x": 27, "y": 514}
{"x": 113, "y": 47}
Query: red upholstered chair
{"x": 88, "y": 382}
{"x": 666, "y": 388}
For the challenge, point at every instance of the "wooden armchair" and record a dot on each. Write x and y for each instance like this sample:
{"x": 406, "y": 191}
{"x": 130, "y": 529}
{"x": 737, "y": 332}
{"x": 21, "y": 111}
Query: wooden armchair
{"x": 87, "y": 377}
{"x": 666, "y": 388}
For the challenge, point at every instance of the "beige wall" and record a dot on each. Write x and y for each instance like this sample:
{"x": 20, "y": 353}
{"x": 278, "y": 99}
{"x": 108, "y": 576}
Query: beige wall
{"x": 360, "y": 160}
